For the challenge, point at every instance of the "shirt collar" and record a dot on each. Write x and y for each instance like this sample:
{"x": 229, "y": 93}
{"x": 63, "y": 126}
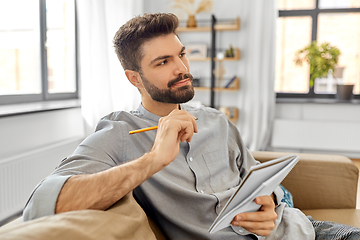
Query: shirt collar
{"x": 146, "y": 114}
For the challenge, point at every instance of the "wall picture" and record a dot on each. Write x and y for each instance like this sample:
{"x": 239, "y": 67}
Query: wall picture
{"x": 196, "y": 51}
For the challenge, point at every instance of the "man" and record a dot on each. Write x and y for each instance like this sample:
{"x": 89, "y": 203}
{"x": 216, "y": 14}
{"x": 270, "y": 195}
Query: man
{"x": 184, "y": 172}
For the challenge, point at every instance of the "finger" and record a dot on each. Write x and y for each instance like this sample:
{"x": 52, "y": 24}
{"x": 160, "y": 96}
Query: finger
{"x": 266, "y": 201}
{"x": 188, "y": 124}
{"x": 186, "y": 132}
{"x": 261, "y": 216}
{"x": 259, "y": 228}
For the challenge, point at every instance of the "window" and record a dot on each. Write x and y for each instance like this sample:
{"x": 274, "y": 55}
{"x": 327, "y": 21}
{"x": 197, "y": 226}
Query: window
{"x": 37, "y": 50}
{"x": 302, "y": 21}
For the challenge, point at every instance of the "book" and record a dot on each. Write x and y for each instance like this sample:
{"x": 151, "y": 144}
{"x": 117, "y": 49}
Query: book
{"x": 261, "y": 180}
{"x": 230, "y": 82}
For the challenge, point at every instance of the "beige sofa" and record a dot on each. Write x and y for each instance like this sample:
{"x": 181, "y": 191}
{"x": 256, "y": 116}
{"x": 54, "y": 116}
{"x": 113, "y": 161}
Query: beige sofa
{"x": 323, "y": 186}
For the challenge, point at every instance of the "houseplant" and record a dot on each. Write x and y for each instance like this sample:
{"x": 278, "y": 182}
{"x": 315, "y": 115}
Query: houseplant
{"x": 322, "y": 58}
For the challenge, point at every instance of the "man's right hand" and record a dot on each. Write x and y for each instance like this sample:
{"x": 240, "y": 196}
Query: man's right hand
{"x": 174, "y": 128}
{"x": 101, "y": 190}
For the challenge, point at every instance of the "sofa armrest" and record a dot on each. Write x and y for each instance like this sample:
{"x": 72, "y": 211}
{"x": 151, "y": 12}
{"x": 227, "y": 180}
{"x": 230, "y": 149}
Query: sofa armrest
{"x": 319, "y": 181}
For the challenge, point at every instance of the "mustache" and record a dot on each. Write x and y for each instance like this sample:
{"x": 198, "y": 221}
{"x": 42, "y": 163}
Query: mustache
{"x": 179, "y": 78}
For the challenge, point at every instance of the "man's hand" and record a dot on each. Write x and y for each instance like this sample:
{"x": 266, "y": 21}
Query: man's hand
{"x": 174, "y": 128}
{"x": 262, "y": 222}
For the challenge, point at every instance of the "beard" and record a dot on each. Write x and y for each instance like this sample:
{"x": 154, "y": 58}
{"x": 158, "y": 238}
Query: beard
{"x": 181, "y": 94}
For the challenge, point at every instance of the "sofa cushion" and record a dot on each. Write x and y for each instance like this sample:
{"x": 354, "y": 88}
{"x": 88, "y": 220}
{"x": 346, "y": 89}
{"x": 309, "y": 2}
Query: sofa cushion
{"x": 124, "y": 220}
{"x": 344, "y": 216}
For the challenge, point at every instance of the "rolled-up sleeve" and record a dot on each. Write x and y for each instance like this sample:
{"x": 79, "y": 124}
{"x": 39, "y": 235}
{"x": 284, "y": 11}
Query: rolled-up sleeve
{"x": 95, "y": 154}
{"x": 43, "y": 199}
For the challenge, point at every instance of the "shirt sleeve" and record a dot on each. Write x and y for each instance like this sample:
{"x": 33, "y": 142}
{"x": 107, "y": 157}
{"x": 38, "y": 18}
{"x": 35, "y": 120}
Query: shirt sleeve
{"x": 94, "y": 154}
{"x": 43, "y": 199}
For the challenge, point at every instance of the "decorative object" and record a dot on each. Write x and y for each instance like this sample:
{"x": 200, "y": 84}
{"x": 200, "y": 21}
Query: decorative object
{"x": 344, "y": 92}
{"x": 230, "y": 52}
{"x": 191, "y": 23}
{"x": 192, "y": 7}
{"x": 196, "y": 51}
{"x": 321, "y": 59}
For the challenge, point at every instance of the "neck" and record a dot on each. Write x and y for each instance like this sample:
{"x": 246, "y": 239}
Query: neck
{"x": 158, "y": 108}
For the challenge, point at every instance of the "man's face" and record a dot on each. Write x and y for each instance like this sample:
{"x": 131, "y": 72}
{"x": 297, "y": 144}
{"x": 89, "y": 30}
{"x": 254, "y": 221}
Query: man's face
{"x": 165, "y": 70}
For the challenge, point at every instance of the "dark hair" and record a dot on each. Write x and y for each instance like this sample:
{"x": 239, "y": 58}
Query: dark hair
{"x": 130, "y": 37}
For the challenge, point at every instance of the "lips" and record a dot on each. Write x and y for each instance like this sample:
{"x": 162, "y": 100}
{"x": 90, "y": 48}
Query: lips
{"x": 181, "y": 83}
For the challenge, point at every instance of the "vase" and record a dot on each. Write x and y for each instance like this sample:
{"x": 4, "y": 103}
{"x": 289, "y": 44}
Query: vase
{"x": 344, "y": 92}
{"x": 191, "y": 21}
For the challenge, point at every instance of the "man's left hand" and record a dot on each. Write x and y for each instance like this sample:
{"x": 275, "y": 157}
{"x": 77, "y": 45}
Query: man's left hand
{"x": 261, "y": 222}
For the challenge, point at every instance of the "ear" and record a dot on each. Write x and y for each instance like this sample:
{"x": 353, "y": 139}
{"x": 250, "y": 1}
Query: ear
{"x": 134, "y": 78}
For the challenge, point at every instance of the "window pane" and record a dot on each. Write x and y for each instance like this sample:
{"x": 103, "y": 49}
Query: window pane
{"x": 19, "y": 47}
{"x": 60, "y": 22}
{"x": 296, "y": 5}
{"x": 339, "y": 30}
{"x": 293, "y": 34}
{"x": 339, "y": 3}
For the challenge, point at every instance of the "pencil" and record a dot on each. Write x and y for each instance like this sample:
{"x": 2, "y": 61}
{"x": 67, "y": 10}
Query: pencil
{"x": 143, "y": 130}
{"x": 146, "y": 129}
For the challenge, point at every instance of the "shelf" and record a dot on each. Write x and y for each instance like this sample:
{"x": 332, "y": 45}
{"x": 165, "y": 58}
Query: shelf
{"x": 232, "y": 25}
{"x": 236, "y": 116}
{"x": 231, "y": 112}
{"x": 235, "y": 86}
{"x": 235, "y": 58}
{"x": 216, "y": 89}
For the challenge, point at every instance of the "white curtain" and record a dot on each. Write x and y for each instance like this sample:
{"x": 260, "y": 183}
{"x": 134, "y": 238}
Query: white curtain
{"x": 257, "y": 71}
{"x": 103, "y": 85}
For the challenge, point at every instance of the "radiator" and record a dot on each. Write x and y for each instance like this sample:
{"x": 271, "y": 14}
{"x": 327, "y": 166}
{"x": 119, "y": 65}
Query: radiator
{"x": 341, "y": 136}
{"x": 20, "y": 174}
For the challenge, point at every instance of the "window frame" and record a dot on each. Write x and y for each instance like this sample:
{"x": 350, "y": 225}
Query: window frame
{"x": 45, "y": 95}
{"x": 314, "y": 14}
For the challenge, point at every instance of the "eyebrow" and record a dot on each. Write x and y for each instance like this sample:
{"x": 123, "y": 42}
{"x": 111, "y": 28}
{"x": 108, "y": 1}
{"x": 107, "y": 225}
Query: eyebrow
{"x": 164, "y": 56}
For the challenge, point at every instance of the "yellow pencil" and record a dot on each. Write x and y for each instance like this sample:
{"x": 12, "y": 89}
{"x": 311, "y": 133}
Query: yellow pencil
{"x": 146, "y": 129}
{"x": 143, "y": 130}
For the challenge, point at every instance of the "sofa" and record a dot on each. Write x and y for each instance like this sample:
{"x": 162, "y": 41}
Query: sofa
{"x": 323, "y": 186}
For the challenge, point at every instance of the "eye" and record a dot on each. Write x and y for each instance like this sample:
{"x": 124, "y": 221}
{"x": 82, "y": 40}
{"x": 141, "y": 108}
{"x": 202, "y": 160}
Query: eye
{"x": 163, "y": 62}
{"x": 182, "y": 54}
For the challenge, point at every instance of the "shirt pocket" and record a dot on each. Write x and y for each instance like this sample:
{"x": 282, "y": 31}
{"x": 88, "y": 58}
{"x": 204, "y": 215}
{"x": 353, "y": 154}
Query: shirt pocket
{"x": 224, "y": 173}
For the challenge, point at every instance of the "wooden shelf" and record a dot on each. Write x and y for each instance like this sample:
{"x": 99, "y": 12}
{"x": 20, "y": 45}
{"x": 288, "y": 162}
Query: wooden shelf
{"x": 236, "y": 115}
{"x": 235, "y": 58}
{"x": 231, "y": 112}
{"x": 235, "y": 86}
{"x": 215, "y": 89}
{"x": 230, "y": 26}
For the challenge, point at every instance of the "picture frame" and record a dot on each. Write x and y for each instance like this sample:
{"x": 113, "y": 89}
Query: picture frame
{"x": 196, "y": 51}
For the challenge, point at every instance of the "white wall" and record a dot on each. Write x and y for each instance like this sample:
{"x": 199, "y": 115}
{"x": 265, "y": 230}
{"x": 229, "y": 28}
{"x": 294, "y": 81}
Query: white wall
{"x": 317, "y": 127}
{"x": 31, "y": 146}
{"x": 22, "y": 133}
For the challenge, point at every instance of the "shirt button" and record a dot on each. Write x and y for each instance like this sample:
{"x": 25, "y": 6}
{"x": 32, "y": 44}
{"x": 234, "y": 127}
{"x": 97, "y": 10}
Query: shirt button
{"x": 201, "y": 191}
{"x": 219, "y": 205}
{"x": 191, "y": 159}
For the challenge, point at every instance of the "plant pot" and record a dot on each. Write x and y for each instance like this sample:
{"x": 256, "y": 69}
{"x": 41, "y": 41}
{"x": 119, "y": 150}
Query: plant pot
{"x": 344, "y": 92}
{"x": 191, "y": 21}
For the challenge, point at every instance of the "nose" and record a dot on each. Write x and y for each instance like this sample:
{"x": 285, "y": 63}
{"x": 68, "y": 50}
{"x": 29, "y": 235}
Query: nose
{"x": 181, "y": 67}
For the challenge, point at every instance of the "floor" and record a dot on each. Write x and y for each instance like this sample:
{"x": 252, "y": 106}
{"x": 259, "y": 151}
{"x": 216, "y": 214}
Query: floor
{"x": 357, "y": 163}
